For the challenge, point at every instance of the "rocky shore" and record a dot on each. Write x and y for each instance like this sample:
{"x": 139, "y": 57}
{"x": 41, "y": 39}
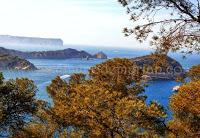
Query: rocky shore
{"x": 8, "y": 62}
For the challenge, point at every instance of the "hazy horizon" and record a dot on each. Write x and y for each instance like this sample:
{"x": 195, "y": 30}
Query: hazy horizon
{"x": 76, "y": 22}
{"x": 24, "y": 43}
{"x": 78, "y": 47}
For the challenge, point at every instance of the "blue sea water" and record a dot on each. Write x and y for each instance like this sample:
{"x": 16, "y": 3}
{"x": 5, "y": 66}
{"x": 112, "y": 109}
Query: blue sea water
{"x": 159, "y": 91}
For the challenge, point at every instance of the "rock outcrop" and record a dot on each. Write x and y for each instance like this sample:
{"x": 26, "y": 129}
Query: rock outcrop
{"x": 159, "y": 67}
{"x": 100, "y": 55}
{"x": 8, "y": 62}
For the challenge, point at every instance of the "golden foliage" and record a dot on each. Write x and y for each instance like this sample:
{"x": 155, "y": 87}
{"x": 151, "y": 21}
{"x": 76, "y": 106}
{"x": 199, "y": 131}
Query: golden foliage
{"x": 186, "y": 108}
{"x": 194, "y": 72}
{"x": 118, "y": 74}
{"x": 107, "y": 105}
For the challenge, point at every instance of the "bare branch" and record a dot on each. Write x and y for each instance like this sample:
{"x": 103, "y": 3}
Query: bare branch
{"x": 184, "y": 9}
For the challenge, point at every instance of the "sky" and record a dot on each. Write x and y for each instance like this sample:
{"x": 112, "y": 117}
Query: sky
{"x": 76, "y": 22}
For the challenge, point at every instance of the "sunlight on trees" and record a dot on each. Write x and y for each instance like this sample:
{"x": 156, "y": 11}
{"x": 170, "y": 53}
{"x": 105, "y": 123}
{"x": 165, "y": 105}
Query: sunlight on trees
{"x": 186, "y": 109}
{"x": 194, "y": 72}
{"x": 99, "y": 108}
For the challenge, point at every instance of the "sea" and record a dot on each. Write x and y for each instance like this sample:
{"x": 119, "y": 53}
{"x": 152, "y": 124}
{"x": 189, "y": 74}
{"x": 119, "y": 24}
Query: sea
{"x": 159, "y": 91}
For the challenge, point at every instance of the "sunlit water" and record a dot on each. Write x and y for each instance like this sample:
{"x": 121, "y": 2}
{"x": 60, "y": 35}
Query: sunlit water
{"x": 159, "y": 91}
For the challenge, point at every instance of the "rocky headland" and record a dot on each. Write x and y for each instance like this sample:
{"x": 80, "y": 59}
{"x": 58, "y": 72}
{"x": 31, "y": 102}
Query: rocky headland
{"x": 8, "y": 62}
{"x": 159, "y": 67}
{"x": 57, "y": 54}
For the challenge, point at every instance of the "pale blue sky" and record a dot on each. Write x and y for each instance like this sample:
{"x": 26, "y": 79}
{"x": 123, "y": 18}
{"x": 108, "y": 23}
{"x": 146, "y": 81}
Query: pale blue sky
{"x": 77, "y": 22}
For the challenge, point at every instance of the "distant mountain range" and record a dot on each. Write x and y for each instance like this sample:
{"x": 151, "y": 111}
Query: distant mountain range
{"x": 58, "y": 54}
{"x": 8, "y": 40}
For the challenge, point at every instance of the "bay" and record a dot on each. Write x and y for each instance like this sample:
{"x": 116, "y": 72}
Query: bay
{"x": 159, "y": 91}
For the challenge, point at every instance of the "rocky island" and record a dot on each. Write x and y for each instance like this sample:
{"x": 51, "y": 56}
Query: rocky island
{"x": 8, "y": 62}
{"x": 159, "y": 67}
{"x": 100, "y": 55}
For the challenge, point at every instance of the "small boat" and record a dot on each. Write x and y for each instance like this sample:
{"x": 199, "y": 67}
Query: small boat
{"x": 176, "y": 88}
{"x": 87, "y": 58}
